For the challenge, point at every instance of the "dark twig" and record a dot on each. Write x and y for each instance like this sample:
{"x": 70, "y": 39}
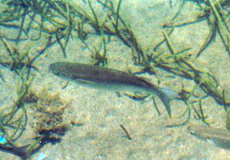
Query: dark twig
{"x": 126, "y": 132}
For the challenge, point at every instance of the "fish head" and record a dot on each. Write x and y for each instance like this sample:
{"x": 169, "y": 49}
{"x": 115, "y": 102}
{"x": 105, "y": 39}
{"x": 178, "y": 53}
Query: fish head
{"x": 57, "y": 69}
{"x": 62, "y": 70}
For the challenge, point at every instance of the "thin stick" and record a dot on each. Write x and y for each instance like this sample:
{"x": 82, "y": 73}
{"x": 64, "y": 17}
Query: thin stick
{"x": 126, "y": 132}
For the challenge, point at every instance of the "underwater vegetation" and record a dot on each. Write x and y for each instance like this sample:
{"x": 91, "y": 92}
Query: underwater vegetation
{"x": 13, "y": 121}
{"x": 44, "y": 23}
{"x": 216, "y": 13}
{"x": 48, "y": 120}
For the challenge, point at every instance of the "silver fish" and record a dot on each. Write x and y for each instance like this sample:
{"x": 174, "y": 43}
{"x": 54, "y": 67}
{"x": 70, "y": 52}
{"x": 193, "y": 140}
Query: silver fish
{"x": 220, "y": 137}
{"x": 111, "y": 79}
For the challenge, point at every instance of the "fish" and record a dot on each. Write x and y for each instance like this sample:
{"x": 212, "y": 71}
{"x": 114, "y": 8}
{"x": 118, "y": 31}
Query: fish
{"x": 110, "y": 79}
{"x": 220, "y": 137}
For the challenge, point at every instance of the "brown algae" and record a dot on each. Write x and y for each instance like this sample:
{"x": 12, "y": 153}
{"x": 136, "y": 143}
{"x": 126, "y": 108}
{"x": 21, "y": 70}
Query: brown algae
{"x": 49, "y": 119}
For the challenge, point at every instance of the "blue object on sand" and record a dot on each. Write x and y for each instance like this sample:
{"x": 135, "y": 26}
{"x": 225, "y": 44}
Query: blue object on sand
{"x": 41, "y": 156}
{"x": 2, "y": 140}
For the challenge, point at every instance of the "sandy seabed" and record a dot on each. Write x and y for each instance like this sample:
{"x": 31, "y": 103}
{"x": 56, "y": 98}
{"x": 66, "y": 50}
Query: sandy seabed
{"x": 102, "y": 112}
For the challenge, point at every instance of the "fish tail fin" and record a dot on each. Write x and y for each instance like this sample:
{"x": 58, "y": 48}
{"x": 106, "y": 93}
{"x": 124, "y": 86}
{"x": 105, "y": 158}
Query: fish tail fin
{"x": 166, "y": 96}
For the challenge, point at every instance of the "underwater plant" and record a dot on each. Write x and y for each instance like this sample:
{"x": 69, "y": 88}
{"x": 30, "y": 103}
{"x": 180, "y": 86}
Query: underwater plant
{"x": 216, "y": 13}
{"x": 44, "y": 23}
{"x": 49, "y": 121}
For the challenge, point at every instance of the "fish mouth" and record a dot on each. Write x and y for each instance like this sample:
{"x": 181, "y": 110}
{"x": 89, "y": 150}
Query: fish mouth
{"x": 52, "y": 69}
